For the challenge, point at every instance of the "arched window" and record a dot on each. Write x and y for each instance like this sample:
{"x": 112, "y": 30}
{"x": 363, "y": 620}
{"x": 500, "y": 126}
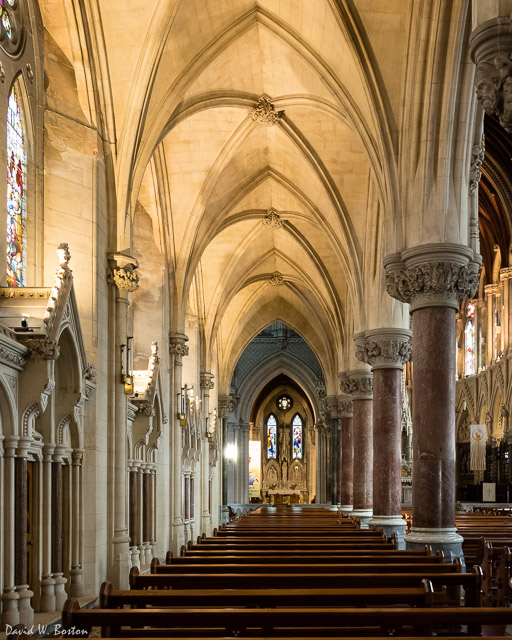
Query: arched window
{"x": 16, "y": 193}
{"x": 470, "y": 341}
{"x": 271, "y": 437}
{"x": 297, "y": 436}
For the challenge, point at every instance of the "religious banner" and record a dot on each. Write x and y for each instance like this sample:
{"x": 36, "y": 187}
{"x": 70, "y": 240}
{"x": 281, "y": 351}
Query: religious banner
{"x": 478, "y": 438}
{"x": 254, "y": 468}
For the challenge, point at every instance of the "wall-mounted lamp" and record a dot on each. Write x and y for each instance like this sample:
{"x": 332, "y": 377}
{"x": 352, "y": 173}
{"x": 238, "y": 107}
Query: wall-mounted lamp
{"x": 127, "y": 366}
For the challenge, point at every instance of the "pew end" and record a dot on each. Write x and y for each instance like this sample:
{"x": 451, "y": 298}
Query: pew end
{"x": 132, "y": 577}
{"x": 154, "y": 564}
{"x": 168, "y": 557}
{"x": 105, "y": 591}
{"x": 70, "y": 607}
{"x": 183, "y": 551}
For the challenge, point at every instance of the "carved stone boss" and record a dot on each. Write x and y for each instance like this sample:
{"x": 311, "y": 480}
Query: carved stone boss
{"x": 265, "y": 113}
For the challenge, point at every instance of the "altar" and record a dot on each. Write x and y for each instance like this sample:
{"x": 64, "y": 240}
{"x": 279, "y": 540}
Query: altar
{"x": 286, "y": 496}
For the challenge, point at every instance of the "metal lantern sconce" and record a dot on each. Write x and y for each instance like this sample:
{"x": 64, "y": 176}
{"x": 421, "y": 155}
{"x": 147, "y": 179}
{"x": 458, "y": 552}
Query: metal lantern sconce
{"x": 127, "y": 366}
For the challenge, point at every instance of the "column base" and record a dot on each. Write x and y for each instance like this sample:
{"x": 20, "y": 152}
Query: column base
{"x": 47, "y": 602}
{"x": 24, "y": 606}
{"x": 122, "y": 563}
{"x": 364, "y": 516}
{"x": 148, "y": 555}
{"x": 447, "y": 540}
{"x": 390, "y": 525}
{"x": 76, "y": 588}
{"x": 60, "y": 594}
{"x": 224, "y": 514}
{"x": 135, "y": 557}
{"x": 346, "y": 508}
{"x": 10, "y": 613}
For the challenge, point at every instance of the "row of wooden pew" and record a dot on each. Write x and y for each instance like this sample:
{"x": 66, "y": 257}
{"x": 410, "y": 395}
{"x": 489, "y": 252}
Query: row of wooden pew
{"x": 293, "y": 573}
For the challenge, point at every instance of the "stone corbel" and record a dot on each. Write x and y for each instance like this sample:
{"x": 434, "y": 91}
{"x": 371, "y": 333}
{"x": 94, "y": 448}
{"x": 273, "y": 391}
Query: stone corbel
{"x": 490, "y": 46}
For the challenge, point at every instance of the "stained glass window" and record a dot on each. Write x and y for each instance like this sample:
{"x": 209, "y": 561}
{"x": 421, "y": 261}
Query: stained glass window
{"x": 470, "y": 341}
{"x": 297, "y": 436}
{"x": 284, "y": 403}
{"x": 16, "y": 189}
{"x": 271, "y": 437}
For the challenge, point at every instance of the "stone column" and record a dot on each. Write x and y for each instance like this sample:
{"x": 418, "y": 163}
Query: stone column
{"x": 506, "y": 323}
{"x": 186, "y": 500}
{"x": 243, "y": 456}
{"x": 226, "y": 405}
{"x": 177, "y": 349}
{"x": 47, "y": 603}
{"x": 433, "y": 279}
{"x": 146, "y": 514}
{"x": 359, "y": 385}
{"x": 335, "y": 453}
{"x": 133, "y": 466}
{"x": 77, "y": 572}
{"x": 21, "y": 509}
{"x": 386, "y": 351}
{"x": 124, "y": 280}
{"x": 206, "y": 384}
{"x": 140, "y": 511}
{"x": 346, "y": 474}
{"x": 153, "y": 511}
{"x": 10, "y": 598}
{"x": 320, "y": 462}
{"x": 192, "y": 499}
{"x": 57, "y": 535}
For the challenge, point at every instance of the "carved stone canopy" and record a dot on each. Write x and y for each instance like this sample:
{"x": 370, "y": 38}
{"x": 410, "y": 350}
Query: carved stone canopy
{"x": 358, "y": 384}
{"x": 384, "y": 348}
{"x": 491, "y": 50}
{"x": 433, "y": 275}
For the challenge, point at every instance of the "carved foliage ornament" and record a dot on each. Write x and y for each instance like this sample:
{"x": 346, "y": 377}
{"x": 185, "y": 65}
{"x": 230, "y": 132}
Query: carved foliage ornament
{"x": 264, "y": 112}
{"x": 178, "y": 348}
{"x": 493, "y": 82}
{"x": 477, "y": 158}
{"x": 272, "y": 220}
{"x": 10, "y": 356}
{"x": 124, "y": 278}
{"x": 43, "y": 348}
{"x": 358, "y": 387}
{"x": 345, "y": 409}
{"x": 277, "y": 279}
{"x": 443, "y": 281}
{"x": 207, "y": 383}
{"x": 392, "y": 352}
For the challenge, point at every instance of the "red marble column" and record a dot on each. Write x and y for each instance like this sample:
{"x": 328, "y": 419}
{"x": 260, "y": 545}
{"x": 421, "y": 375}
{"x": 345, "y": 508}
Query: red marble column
{"x": 386, "y": 350}
{"x": 433, "y": 492}
{"x": 346, "y": 459}
{"x": 360, "y": 385}
{"x": 387, "y": 442}
{"x": 433, "y": 279}
{"x": 133, "y": 507}
{"x": 21, "y": 507}
{"x": 56, "y": 517}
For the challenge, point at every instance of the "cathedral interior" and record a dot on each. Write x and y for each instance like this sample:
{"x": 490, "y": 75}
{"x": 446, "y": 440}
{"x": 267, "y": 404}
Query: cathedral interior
{"x": 256, "y": 252}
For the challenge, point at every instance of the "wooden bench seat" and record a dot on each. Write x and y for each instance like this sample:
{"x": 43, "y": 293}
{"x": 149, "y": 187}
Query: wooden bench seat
{"x": 417, "y": 596}
{"x": 447, "y": 585}
{"x": 299, "y": 558}
{"x": 388, "y": 621}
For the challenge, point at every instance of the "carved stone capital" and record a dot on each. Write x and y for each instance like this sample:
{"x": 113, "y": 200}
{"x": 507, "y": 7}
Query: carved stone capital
{"x": 332, "y": 406}
{"x": 358, "y": 384}
{"x": 505, "y": 273}
{"x": 433, "y": 275}
{"x": 265, "y": 113}
{"x": 345, "y": 407}
{"x": 43, "y": 348}
{"x": 226, "y": 405}
{"x": 384, "y": 348}
{"x": 177, "y": 346}
{"x": 206, "y": 380}
{"x": 491, "y": 50}
{"x": 492, "y": 289}
{"x": 124, "y": 278}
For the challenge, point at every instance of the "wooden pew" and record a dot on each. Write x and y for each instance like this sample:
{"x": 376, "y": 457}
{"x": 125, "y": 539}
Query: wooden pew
{"x": 414, "y": 596}
{"x": 447, "y": 583}
{"x": 305, "y": 621}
